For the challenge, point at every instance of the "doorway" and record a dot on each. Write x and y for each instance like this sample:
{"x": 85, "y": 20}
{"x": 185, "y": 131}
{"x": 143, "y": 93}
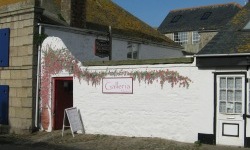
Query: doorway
{"x": 231, "y": 106}
{"x": 63, "y": 98}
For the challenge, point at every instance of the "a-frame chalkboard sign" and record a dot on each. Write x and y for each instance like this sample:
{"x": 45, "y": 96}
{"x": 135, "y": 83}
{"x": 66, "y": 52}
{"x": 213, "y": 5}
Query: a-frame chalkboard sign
{"x": 75, "y": 122}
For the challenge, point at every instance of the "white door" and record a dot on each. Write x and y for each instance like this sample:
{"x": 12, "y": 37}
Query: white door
{"x": 247, "y": 142}
{"x": 230, "y": 109}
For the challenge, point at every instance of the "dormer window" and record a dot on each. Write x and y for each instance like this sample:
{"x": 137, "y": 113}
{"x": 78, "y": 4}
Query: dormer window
{"x": 176, "y": 19}
{"x": 206, "y": 15}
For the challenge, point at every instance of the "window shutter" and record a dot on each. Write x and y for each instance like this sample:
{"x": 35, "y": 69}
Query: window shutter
{"x": 4, "y": 104}
{"x": 4, "y": 47}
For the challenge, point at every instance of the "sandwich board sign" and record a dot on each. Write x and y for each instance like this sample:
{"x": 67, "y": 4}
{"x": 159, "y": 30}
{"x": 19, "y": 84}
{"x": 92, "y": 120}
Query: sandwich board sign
{"x": 75, "y": 122}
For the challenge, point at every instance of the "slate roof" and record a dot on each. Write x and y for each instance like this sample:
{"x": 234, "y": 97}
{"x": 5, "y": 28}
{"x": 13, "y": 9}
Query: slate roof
{"x": 192, "y": 19}
{"x": 101, "y": 13}
{"x": 233, "y": 38}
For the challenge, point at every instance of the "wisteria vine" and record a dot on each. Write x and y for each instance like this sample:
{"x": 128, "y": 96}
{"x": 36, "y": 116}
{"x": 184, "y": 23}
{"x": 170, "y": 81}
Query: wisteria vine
{"x": 55, "y": 62}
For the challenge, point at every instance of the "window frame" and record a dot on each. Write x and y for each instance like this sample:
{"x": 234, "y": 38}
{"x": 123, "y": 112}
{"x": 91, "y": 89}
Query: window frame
{"x": 206, "y": 15}
{"x": 133, "y": 50}
{"x": 180, "y": 37}
{"x": 176, "y": 18}
{"x": 196, "y": 39}
{"x": 234, "y": 90}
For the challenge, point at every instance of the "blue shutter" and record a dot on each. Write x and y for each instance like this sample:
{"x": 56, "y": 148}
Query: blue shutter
{"x": 4, "y": 104}
{"x": 4, "y": 47}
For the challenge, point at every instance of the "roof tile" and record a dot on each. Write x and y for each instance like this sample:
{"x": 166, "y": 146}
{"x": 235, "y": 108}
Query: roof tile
{"x": 233, "y": 38}
{"x": 191, "y": 18}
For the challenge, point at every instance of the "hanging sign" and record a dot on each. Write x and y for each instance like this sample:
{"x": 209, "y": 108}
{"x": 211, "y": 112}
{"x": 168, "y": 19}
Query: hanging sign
{"x": 102, "y": 48}
{"x": 117, "y": 85}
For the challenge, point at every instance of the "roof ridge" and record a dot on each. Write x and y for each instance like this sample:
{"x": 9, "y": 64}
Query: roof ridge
{"x": 207, "y": 6}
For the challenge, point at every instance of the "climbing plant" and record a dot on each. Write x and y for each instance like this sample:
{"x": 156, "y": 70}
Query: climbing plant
{"x": 55, "y": 62}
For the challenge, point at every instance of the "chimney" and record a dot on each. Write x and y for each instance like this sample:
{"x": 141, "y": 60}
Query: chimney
{"x": 74, "y": 12}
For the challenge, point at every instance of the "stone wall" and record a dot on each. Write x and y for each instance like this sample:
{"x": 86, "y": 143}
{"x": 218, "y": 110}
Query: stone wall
{"x": 194, "y": 48}
{"x": 21, "y": 73}
{"x": 74, "y": 12}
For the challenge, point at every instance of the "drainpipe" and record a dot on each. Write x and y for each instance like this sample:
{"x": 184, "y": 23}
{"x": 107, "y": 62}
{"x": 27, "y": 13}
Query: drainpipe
{"x": 110, "y": 42}
{"x": 38, "y": 78}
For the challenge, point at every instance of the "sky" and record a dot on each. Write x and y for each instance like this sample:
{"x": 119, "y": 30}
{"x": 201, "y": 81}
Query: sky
{"x": 153, "y": 12}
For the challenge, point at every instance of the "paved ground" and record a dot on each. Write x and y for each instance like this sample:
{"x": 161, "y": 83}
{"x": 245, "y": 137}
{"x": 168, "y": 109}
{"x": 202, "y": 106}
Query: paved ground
{"x": 54, "y": 141}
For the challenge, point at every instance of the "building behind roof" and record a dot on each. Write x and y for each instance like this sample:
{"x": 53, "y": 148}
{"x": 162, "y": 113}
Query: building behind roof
{"x": 193, "y": 28}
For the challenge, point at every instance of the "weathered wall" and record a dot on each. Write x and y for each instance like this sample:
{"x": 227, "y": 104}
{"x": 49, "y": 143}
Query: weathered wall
{"x": 150, "y": 52}
{"x": 175, "y": 113}
{"x": 20, "y": 75}
{"x": 196, "y": 47}
{"x": 81, "y": 44}
{"x": 206, "y": 37}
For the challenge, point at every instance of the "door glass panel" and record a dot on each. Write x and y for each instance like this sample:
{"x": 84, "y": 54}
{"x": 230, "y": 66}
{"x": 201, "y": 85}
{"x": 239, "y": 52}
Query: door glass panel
{"x": 222, "y": 83}
{"x": 238, "y": 83}
{"x": 222, "y": 108}
{"x": 223, "y": 95}
{"x": 230, "y": 95}
{"x": 230, "y": 83}
{"x": 238, "y": 107}
{"x": 238, "y": 96}
{"x": 230, "y": 108}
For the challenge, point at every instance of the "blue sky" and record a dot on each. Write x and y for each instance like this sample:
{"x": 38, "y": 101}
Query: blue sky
{"x": 153, "y": 12}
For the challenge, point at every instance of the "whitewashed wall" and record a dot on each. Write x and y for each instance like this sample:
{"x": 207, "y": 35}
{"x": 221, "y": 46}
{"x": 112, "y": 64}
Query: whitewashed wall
{"x": 81, "y": 44}
{"x": 173, "y": 113}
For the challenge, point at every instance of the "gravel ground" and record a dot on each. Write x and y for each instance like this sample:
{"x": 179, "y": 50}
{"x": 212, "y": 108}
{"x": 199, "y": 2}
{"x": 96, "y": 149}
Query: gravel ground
{"x": 55, "y": 141}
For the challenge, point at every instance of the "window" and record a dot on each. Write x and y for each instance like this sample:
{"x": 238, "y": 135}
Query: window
{"x": 176, "y": 19}
{"x": 133, "y": 49}
{"x": 206, "y": 15}
{"x": 181, "y": 37}
{"x": 195, "y": 37}
{"x": 230, "y": 95}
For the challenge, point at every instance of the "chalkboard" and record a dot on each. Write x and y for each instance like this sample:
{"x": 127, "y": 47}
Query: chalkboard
{"x": 74, "y": 120}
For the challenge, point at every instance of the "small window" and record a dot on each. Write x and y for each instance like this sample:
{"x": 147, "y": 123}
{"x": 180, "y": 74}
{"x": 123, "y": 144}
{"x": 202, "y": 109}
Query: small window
{"x": 176, "y": 19}
{"x": 181, "y": 38}
{"x": 195, "y": 37}
{"x": 206, "y": 15}
{"x": 133, "y": 49}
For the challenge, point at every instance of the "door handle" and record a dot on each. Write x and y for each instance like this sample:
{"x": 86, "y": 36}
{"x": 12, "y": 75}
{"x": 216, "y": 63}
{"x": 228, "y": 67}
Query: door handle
{"x": 245, "y": 116}
{"x": 230, "y": 117}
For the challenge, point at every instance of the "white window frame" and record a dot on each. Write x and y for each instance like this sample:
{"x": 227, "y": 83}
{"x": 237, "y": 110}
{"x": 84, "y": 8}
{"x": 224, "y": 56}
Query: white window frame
{"x": 133, "y": 49}
{"x": 196, "y": 37}
{"x": 180, "y": 37}
{"x": 234, "y": 90}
